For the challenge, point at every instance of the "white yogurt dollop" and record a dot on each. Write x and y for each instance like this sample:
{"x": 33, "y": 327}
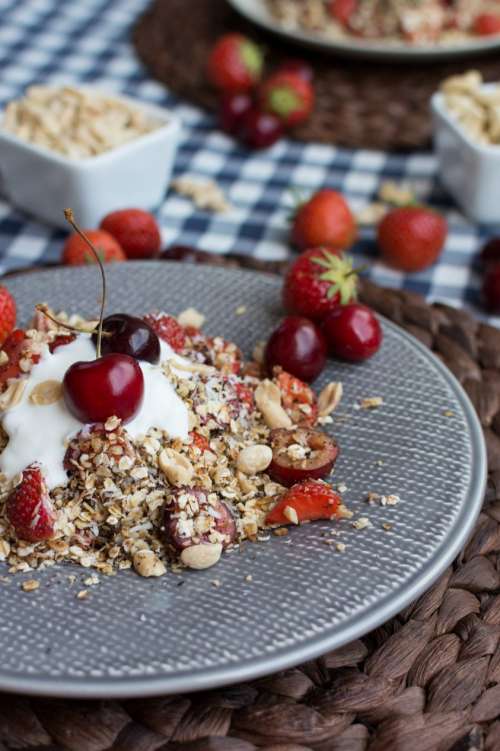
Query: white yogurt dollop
{"x": 39, "y": 433}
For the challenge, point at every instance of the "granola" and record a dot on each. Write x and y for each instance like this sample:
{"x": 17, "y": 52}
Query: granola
{"x": 140, "y": 501}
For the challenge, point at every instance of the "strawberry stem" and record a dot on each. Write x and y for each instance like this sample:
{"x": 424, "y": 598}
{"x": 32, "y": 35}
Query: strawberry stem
{"x": 68, "y": 215}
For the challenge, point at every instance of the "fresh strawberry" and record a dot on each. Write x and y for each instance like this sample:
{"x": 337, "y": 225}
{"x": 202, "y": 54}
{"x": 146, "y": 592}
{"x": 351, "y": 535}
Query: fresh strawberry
{"x": 325, "y": 219}
{"x": 61, "y": 340}
{"x": 297, "y": 398}
{"x": 305, "y": 502}
{"x": 29, "y": 508}
{"x": 411, "y": 238}
{"x": 342, "y": 10}
{"x": 288, "y": 96}
{"x": 317, "y": 282}
{"x": 76, "y": 252}
{"x": 199, "y": 441}
{"x": 16, "y": 348}
{"x": 235, "y": 63}
{"x": 135, "y": 230}
{"x": 168, "y": 329}
{"x": 7, "y": 314}
{"x": 487, "y": 24}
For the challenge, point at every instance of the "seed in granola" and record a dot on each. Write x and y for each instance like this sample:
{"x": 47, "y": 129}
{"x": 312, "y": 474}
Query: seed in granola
{"x": 202, "y": 556}
{"x": 254, "y": 459}
{"x": 371, "y": 402}
{"x": 362, "y": 523}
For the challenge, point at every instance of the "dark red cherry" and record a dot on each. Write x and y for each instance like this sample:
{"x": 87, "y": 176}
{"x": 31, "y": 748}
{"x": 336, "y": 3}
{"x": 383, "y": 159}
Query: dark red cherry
{"x": 353, "y": 332}
{"x": 111, "y": 385}
{"x": 490, "y": 252}
{"x": 298, "y": 67}
{"x": 260, "y": 129}
{"x": 233, "y": 109}
{"x": 299, "y": 347}
{"x": 491, "y": 288}
{"x": 129, "y": 335}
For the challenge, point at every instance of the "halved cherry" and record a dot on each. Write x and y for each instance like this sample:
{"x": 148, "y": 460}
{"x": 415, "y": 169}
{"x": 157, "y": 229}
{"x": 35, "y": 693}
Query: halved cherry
{"x": 301, "y": 454}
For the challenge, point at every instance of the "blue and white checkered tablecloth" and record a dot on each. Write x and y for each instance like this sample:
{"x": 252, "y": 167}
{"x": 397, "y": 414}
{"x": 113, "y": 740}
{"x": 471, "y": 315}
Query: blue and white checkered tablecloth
{"x": 66, "y": 41}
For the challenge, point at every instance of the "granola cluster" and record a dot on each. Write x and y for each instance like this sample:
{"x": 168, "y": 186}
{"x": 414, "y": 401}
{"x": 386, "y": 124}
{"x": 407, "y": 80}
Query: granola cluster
{"x": 142, "y": 503}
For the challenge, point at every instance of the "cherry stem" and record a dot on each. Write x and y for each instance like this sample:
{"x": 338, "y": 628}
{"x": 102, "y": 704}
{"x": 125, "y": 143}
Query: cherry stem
{"x": 68, "y": 215}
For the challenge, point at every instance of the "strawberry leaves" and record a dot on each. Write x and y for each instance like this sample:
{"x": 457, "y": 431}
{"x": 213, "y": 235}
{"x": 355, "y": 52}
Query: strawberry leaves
{"x": 340, "y": 273}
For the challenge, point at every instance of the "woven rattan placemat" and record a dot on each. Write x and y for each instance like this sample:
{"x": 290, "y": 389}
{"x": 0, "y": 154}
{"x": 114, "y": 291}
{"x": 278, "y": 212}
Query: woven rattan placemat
{"x": 428, "y": 680}
{"x": 359, "y": 104}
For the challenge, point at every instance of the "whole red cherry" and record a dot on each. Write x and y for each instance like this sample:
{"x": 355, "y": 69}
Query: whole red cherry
{"x": 111, "y": 385}
{"x": 353, "y": 332}
{"x": 490, "y": 252}
{"x": 491, "y": 288}
{"x": 233, "y": 109}
{"x": 260, "y": 129}
{"x": 298, "y": 346}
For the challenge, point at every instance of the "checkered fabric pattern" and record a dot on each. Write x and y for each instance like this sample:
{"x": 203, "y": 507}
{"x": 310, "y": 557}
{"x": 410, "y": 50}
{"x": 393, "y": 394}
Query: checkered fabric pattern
{"x": 65, "y": 41}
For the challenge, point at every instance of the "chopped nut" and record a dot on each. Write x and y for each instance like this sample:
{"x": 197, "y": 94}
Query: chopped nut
{"x": 290, "y": 514}
{"x": 254, "y": 459}
{"x": 191, "y": 317}
{"x": 248, "y": 578}
{"x": 146, "y": 563}
{"x": 371, "y": 214}
{"x": 371, "y": 402}
{"x": 4, "y": 357}
{"x": 268, "y": 400}
{"x": 176, "y": 467}
{"x": 202, "y": 556}
{"x": 30, "y": 585}
{"x": 241, "y": 310}
{"x": 329, "y": 398}
{"x": 387, "y": 526}
{"x": 12, "y": 395}
{"x": 340, "y": 546}
{"x": 82, "y": 594}
{"x": 47, "y": 392}
{"x": 362, "y": 523}
{"x": 280, "y": 532}
{"x": 398, "y": 195}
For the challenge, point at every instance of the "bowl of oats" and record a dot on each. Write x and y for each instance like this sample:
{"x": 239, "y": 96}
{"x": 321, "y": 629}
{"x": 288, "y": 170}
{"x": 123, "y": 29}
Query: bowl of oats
{"x": 466, "y": 118}
{"x": 86, "y": 148}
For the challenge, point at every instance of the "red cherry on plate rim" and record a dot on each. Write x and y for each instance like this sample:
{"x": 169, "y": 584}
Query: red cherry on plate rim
{"x": 233, "y": 109}
{"x": 111, "y": 385}
{"x": 298, "y": 346}
{"x": 491, "y": 289}
{"x": 260, "y": 129}
{"x": 353, "y": 332}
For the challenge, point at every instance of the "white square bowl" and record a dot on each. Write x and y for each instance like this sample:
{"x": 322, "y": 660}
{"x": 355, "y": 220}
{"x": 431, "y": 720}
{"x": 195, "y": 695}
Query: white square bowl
{"x": 470, "y": 171}
{"x": 135, "y": 174}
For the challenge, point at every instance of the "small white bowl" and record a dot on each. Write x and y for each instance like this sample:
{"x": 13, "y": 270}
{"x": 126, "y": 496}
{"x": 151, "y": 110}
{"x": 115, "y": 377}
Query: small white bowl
{"x": 470, "y": 171}
{"x": 135, "y": 174}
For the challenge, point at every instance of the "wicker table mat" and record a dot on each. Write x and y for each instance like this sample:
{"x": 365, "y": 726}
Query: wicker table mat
{"x": 359, "y": 104}
{"x": 428, "y": 680}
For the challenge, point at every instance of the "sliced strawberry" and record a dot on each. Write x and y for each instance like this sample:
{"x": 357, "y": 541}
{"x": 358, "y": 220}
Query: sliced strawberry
{"x": 61, "y": 340}
{"x": 305, "y": 502}
{"x": 14, "y": 347}
{"x": 29, "y": 508}
{"x": 168, "y": 329}
{"x": 297, "y": 398}
{"x": 199, "y": 441}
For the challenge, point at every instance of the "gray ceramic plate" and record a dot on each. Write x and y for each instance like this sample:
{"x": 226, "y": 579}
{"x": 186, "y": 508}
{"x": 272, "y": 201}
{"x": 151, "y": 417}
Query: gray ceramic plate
{"x": 258, "y": 12}
{"x": 134, "y": 636}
